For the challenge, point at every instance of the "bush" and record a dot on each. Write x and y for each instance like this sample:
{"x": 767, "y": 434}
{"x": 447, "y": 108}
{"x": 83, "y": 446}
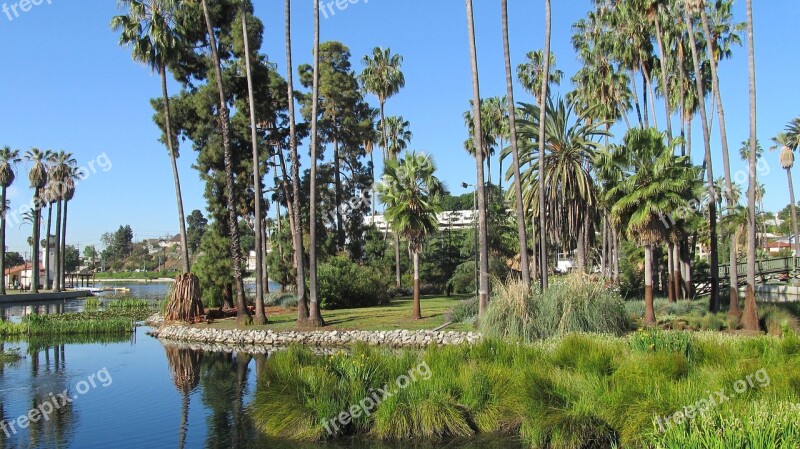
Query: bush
{"x": 345, "y": 284}
{"x": 284, "y": 300}
{"x": 465, "y": 311}
{"x": 463, "y": 280}
{"x": 575, "y": 304}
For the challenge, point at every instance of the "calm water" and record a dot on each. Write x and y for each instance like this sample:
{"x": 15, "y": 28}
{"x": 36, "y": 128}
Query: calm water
{"x": 137, "y": 393}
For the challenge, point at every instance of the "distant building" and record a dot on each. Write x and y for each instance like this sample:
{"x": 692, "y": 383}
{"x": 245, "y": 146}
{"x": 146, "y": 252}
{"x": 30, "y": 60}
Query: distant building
{"x": 449, "y": 220}
{"x": 170, "y": 243}
{"x": 21, "y": 275}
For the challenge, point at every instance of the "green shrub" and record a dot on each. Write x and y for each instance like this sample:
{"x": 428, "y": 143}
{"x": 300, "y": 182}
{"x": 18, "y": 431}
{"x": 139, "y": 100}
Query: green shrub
{"x": 346, "y": 284}
{"x": 284, "y": 300}
{"x": 575, "y": 304}
{"x": 655, "y": 340}
{"x": 777, "y": 320}
{"x": 463, "y": 280}
{"x": 465, "y": 311}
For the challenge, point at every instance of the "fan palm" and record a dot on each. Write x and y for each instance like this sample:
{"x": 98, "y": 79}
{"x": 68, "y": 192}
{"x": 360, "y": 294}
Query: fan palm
{"x": 8, "y": 160}
{"x": 548, "y": 29}
{"x": 61, "y": 167}
{"x": 412, "y": 194}
{"x": 72, "y": 174}
{"x": 398, "y": 135}
{"x": 383, "y": 78}
{"x": 655, "y": 185}
{"x": 314, "y": 315}
{"x": 149, "y": 29}
{"x": 38, "y": 180}
{"x": 786, "y": 143}
{"x": 750, "y": 318}
{"x": 531, "y": 73}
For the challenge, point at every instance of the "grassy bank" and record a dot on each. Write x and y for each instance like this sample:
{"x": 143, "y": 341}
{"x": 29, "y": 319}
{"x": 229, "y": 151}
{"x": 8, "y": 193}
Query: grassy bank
{"x": 143, "y": 275}
{"x": 580, "y": 391}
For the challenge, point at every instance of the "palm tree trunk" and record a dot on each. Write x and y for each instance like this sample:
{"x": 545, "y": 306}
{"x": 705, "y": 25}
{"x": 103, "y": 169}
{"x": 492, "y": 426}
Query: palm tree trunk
{"x": 794, "y": 213}
{"x": 57, "y": 277}
{"x": 671, "y": 292}
{"x": 337, "y": 179}
{"x": 649, "y": 85}
{"x": 3, "y": 242}
{"x": 47, "y": 247}
{"x": 61, "y": 262}
{"x": 175, "y": 176}
{"x": 297, "y": 226}
{"x": 242, "y": 314}
{"x": 664, "y": 82}
{"x": 397, "y": 270}
{"x": 542, "y": 168}
{"x": 264, "y": 264}
{"x": 750, "y": 317}
{"x": 417, "y": 313}
{"x": 616, "y": 255}
{"x": 676, "y": 270}
{"x": 649, "y": 311}
{"x": 260, "y": 318}
{"x": 734, "y": 277}
{"x": 314, "y": 316}
{"x": 512, "y": 120}
{"x": 34, "y": 286}
{"x": 712, "y": 195}
{"x": 483, "y": 277}
{"x": 635, "y": 93}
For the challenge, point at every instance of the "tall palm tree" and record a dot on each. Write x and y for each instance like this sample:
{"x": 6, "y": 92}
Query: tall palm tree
{"x": 8, "y": 160}
{"x": 483, "y": 232}
{"x": 383, "y": 78}
{"x": 655, "y": 184}
{"x": 314, "y": 315}
{"x": 38, "y": 179}
{"x": 412, "y": 194}
{"x": 297, "y": 229}
{"x": 786, "y": 144}
{"x": 712, "y": 191}
{"x": 259, "y": 318}
{"x": 531, "y": 73}
{"x": 48, "y": 242}
{"x": 512, "y": 120}
{"x": 542, "y": 167}
{"x": 242, "y": 314}
{"x": 61, "y": 170}
{"x": 654, "y": 10}
{"x": 73, "y": 174}
{"x": 149, "y": 28}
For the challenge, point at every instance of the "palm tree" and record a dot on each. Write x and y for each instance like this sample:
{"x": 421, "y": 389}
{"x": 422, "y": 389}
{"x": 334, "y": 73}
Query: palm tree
{"x": 786, "y": 144}
{"x": 297, "y": 229}
{"x": 73, "y": 174}
{"x": 382, "y": 77}
{"x": 149, "y": 28}
{"x": 61, "y": 169}
{"x": 750, "y": 317}
{"x": 712, "y": 193}
{"x": 8, "y": 160}
{"x": 655, "y": 184}
{"x": 260, "y": 318}
{"x": 314, "y": 315}
{"x": 483, "y": 232}
{"x": 38, "y": 178}
{"x": 531, "y": 73}
{"x": 398, "y": 135}
{"x": 512, "y": 120}
{"x": 654, "y": 14}
{"x": 48, "y": 193}
{"x": 412, "y": 193}
{"x": 572, "y": 144}
{"x": 242, "y": 314}
{"x": 542, "y": 167}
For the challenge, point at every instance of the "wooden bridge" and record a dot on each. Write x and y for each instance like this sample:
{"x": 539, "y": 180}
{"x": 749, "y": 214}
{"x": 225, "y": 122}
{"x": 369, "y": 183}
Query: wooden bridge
{"x": 778, "y": 269}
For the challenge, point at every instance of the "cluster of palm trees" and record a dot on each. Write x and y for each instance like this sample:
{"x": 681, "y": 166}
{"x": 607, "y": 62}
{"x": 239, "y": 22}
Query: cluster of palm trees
{"x": 52, "y": 175}
{"x": 574, "y": 187}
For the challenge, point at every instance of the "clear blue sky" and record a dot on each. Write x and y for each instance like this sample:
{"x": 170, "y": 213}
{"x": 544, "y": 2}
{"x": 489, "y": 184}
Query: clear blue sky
{"x": 67, "y": 85}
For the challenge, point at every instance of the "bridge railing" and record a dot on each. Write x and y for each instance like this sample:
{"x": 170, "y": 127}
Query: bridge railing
{"x": 774, "y": 265}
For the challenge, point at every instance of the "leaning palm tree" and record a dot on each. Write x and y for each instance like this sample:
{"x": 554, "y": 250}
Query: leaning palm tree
{"x": 38, "y": 178}
{"x": 8, "y": 160}
{"x": 655, "y": 185}
{"x": 412, "y": 194}
{"x": 242, "y": 313}
{"x": 515, "y": 165}
{"x": 149, "y": 29}
{"x": 483, "y": 230}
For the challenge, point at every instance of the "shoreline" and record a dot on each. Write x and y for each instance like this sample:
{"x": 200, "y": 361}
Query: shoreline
{"x": 316, "y": 339}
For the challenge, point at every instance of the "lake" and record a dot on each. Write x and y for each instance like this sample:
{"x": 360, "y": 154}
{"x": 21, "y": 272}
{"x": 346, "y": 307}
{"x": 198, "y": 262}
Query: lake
{"x": 137, "y": 393}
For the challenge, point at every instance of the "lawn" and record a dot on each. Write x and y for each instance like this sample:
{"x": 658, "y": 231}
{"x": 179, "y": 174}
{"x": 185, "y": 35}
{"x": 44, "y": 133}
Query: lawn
{"x": 395, "y": 315}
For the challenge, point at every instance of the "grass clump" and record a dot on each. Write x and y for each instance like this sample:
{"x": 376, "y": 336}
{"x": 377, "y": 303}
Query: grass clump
{"x": 92, "y": 304}
{"x": 574, "y": 304}
{"x": 130, "y": 304}
{"x": 86, "y": 323}
{"x": 464, "y": 312}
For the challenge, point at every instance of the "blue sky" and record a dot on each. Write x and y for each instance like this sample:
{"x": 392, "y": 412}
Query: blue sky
{"x": 67, "y": 85}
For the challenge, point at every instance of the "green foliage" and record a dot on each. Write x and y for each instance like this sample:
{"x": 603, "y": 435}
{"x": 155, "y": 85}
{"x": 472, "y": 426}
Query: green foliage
{"x": 574, "y": 304}
{"x": 196, "y": 225}
{"x": 463, "y": 279}
{"x": 466, "y": 310}
{"x": 92, "y": 304}
{"x": 654, "y": 340}
{"x": 285, "y": 300}
{"x": 86, "y": 323}
{"x": 343, "y": 283}
{"x": 13, "y": 259}
{"x": 129, "y": 304}
{"x": 9, "y": 356}
{"x": 213, "y": 267}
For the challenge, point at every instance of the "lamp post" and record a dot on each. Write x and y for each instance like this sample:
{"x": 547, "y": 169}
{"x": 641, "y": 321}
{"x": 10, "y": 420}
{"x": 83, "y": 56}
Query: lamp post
{"x": 474, "y": 228}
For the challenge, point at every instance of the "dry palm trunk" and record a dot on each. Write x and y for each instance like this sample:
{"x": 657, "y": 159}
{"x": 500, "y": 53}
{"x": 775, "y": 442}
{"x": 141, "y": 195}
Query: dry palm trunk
{"x": 185, "y": 303}
{"x": 671, "y": 293}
